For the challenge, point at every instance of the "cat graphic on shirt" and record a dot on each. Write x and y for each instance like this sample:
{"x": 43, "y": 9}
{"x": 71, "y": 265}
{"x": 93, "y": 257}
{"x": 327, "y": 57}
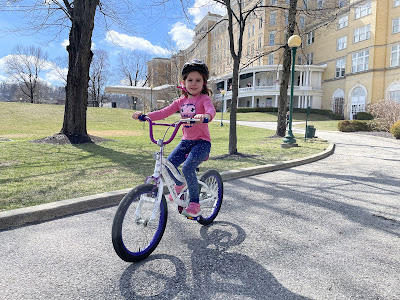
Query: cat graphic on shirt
{"x": 188, "y": 111}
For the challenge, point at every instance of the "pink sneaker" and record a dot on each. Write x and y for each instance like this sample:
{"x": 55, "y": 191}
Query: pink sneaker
{"x": 193, "y": 210}
{"x": 178, "y": 189}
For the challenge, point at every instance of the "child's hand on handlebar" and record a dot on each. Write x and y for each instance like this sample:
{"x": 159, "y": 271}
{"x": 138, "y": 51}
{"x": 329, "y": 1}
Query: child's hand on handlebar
{"x": 136, "y": 114}
{"x": 201, "y": 117}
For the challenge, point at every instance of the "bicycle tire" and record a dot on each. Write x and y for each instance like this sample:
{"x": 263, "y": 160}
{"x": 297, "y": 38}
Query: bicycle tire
{"x": 134, "y": 238}
{"x": 215, "y": 190}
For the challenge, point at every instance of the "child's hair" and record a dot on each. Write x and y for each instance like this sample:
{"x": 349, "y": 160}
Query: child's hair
{"x": 205, "y": 89}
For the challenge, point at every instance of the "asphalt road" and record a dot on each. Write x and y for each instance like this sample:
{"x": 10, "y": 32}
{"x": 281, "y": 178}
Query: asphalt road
{"x": 326, "y": 230}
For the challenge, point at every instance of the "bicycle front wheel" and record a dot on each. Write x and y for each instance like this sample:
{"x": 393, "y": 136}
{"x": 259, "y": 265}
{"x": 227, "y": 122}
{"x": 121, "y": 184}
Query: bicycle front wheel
{"x": 136, "y": 230}
{"x": 210, "y": 196}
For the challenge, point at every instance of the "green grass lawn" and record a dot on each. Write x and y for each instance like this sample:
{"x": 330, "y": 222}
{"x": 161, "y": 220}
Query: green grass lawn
{"x": 32, "y": 173}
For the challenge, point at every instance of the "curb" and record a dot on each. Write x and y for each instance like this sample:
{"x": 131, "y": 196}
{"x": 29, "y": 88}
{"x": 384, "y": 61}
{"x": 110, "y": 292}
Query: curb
{"x": 58, "y": 209}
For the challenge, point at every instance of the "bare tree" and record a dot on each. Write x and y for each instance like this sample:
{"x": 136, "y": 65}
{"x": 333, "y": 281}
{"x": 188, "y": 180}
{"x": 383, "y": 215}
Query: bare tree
{"x": 25, "y": 65}
{"x": 287, "y": 58}
{"x": 237, "y": 14}
{"x": 60, "y": 68}
{"x": 98, "y": 77}
{"x": 133, "y": 69}
{"x": 79, "y": 17}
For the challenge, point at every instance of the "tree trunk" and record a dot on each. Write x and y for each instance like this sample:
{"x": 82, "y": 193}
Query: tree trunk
{"x": 282, "y": 106}
{"x": 233, "y": 117}
{"x": 80, "y": 57}
{"x": 287, "y": 59}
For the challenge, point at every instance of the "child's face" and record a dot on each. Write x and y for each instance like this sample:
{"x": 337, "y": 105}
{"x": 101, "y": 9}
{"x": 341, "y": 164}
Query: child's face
{"x": 194, "y": 83}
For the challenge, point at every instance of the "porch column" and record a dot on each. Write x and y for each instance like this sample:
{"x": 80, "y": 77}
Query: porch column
{"x": 254, "y": 80}
{"x": 252, "y": 101}
{"x": 225, "y": 101}
{"x": 301, "y": 78}
{"x": 276, "y": 100}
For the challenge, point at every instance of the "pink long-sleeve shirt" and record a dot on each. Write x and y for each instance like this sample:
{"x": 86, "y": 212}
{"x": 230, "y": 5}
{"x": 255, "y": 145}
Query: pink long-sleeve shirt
{"x": 189, "y": 107}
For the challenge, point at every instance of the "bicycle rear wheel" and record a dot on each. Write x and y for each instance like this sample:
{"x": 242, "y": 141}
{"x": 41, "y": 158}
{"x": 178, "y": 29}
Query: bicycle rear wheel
{"x": 213, "y": 194}
{"x": 134, "y": 234}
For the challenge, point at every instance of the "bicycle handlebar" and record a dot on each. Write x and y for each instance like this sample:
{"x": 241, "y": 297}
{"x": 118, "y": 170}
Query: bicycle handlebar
{"x": 176, "y": 125}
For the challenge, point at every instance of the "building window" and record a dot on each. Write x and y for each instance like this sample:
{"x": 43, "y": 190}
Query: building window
{"x": 340, "y": 68}
{"x": 260, "y": 24}
{"x": 299, "y": 60}
{"x": 394, "y": 95}
{"x": 395, "y": 56}
{"x": 343, "y": 22}
{"x": 260, "y": 41}
{"x": 271, "y": 59}
{"x": 310, "y": 58}
{"x": 302, "y": 21}
{"x": 273, "y": 2}
{"x": 396, "y": 25}
{"x": 286, "y": 18}
{"x": 363, "y": 10}
{"x": 396, "y": 3}
{"x": 272, "y": 18}
{"x": 341, "y": 43}
{"x": 305, "y": 3}
{"x": 362, "y": 33}
{"x": 360, "y": 61}
{"x": 272, "y": 38}
{"x": 320, "y": 4}
{"x": 310, "y": 38}
{"x": 342, "y": 3}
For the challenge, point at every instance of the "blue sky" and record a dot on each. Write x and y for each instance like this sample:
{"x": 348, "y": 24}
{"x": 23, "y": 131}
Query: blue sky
{"x": 154, "y": 31}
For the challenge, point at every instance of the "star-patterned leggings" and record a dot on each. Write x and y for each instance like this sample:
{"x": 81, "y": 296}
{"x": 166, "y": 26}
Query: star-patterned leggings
{"x": 197, "y": 151}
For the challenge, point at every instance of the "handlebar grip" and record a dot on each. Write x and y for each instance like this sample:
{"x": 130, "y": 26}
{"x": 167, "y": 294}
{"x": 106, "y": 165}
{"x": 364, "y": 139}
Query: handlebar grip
{"x": 142, "y": 118}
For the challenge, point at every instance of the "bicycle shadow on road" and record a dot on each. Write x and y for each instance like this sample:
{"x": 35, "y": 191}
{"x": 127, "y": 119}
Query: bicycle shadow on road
{"x": 213, "y": 271}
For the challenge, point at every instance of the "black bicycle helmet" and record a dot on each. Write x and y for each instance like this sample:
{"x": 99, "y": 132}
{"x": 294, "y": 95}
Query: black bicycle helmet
{"x": 195, "y": 65}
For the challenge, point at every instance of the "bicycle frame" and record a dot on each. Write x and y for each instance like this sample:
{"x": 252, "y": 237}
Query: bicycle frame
{"x": 161, "y": 177}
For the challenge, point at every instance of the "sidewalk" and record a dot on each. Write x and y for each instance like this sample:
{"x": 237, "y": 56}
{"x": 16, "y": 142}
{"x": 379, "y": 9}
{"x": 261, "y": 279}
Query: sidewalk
{"x": 58, "y": 209}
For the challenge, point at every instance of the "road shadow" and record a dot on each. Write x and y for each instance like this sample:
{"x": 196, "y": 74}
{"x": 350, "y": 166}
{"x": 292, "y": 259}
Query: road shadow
{"x": 213, "y": 272}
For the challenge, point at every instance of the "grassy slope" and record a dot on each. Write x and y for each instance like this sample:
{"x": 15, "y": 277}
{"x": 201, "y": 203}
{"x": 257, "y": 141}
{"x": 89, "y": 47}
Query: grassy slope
{"x": 36, "y": 173}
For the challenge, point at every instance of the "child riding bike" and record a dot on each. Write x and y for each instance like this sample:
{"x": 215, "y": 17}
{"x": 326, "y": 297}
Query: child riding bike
{"x": 195, "y": 145}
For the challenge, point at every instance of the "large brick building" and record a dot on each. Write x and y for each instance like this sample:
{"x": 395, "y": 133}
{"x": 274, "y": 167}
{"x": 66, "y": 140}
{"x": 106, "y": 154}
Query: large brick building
{"x": 349, "y": 57}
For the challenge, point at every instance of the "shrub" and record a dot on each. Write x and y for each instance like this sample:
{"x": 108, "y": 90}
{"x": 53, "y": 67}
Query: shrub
{"x": 353, "y": 125}
{"x": 386, "y": 113}
{"x": 359, "y": 125}
{"x": 362, "y": 115}
{"x": 395, "y": 130}
{"x": 345, "y": 126}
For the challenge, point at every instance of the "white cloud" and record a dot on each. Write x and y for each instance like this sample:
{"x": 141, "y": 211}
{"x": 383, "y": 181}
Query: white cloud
{"x": 65, "y": 43}
{"x": 201, "y": 7}
{"x": 181, "y": 35}
{"x": 134, "y": 43}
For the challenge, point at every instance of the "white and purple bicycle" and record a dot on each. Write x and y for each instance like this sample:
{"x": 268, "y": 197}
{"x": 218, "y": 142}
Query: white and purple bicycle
{"x": 141, "y": 217}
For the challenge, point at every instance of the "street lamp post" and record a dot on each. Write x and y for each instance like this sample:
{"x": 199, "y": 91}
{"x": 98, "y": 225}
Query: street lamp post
{"x": 222, "y": 106}
{"x": 289, "y": 140}
{"x": 151, "y": 98}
